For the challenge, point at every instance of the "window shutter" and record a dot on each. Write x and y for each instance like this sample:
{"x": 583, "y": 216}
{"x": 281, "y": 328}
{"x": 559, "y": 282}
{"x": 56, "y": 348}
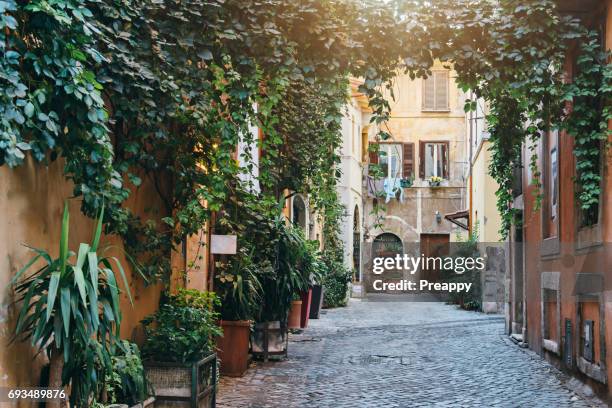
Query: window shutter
{"x": 421, "y": 160}
{"x": 429, "y": 94}
{"x": 408, "y": 160}
{"x": 445, "y": 160}
{"x": 373, "y": 155}
{"x": 441, "y": 90}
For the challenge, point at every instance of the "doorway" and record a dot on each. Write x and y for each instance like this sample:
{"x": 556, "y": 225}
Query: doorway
{"x": 434, "y": 246}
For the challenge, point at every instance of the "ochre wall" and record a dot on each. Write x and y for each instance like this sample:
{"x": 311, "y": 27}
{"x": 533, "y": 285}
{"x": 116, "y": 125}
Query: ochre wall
{"x": 31, "y": 204}
{"x": 409, "y": 123}
{"x": 484, "y": 201}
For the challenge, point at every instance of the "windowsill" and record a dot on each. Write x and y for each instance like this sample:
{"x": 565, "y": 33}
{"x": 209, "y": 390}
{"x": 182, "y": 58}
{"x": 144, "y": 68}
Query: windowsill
{"x": 550, "y": 247}
{"x": 551, "y": 345}
{"x": 587, "y": 237}
{"x": 592, "y": 370}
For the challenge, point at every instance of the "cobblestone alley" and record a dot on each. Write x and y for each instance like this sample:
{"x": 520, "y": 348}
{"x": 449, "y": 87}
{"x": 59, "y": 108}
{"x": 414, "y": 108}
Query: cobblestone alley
{"x": 403, "y": 354}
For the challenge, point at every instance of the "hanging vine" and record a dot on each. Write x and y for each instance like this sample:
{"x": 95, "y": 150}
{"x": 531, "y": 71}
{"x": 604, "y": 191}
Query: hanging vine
{"x": 159, "y": 94}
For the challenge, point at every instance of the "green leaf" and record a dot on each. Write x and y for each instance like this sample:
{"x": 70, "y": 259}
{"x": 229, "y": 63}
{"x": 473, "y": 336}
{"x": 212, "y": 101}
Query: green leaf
{"x": 93, "y": 306}
{"x": 65, "y": 307}
{"x": 25, "y": 268}
{"x": 80, "y": 282}
{"x": 98, "y": 231}
{"x": 25, "y": 306}
{"x": 114, "y": 290}
{"x": 52, "y": 293}
{"x": 29, "y": 110}
{"x": 82, "y": 255}
{"x": 124, "y": 278}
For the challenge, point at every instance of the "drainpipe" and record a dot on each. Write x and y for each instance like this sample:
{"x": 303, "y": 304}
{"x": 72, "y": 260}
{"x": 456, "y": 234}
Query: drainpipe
{"x": 470, "y": 175}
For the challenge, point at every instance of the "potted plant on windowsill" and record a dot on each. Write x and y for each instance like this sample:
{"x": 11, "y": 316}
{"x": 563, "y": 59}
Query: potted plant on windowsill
{"x": 240, "y": 292}
{"x": 180, "y": 362}
{"x": 435, "y": 181}
{"x": 406, "y": 182}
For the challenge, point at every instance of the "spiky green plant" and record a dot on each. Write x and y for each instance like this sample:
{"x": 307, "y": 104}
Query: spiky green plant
{"x": 70, "y": 310}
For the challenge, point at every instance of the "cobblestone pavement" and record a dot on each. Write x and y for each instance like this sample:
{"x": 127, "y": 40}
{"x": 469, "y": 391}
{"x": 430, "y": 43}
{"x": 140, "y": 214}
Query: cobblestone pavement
{"x": 402, "y": 354}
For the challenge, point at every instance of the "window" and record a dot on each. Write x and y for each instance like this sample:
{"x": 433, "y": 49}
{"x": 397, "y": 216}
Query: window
{"x": 550, "y": 184}
{"x": 396, "y": 160}
{"x": 390, "y": 160}
{"x": 433, "y": 159}
{"x": 435, "y": 92}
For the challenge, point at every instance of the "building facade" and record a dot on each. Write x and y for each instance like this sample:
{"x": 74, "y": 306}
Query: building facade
{"x": 356, "y": 130}
{"x": 423, "y": 166}
{"x": 484, "y": 220}
{"x": 561, "y": 264}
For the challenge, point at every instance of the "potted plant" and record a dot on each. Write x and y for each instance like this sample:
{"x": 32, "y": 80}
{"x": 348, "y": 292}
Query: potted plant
{"x": 406, "y": 182}
{"x": 180, "y": 362}
{"x": 306, "y": 298}
{"x": 282, "y": 275}
{"x": 126, "y": 385}
{"x": 240, "y": 291}
{"x": 434, "y": 181}
{"x": 294, "y": 320}
{"x": 315, "y": 270}
{"x": 70, "y": 311}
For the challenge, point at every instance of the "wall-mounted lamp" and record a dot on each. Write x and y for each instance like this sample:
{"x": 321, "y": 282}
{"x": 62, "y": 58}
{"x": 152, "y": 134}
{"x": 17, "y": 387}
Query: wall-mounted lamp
{"x": 438, "y": 217}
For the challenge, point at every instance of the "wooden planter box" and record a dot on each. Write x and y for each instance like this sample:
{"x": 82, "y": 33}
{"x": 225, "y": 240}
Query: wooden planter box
{"x": 184, "y": 385}
{"x": 269, "y": 339}
{"x": 148, "y": 403}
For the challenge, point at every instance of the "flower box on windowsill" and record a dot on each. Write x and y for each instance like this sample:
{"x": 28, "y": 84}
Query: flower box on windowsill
{"x": 435, "y": 181}
{"x": 406, "y": 183}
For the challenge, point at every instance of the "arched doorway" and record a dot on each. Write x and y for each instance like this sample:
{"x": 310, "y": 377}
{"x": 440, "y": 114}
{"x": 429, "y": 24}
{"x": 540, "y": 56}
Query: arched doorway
{"x": 387, "y": 245}
{"x": 299, "y": 212}
{"x": 356, "y": 245}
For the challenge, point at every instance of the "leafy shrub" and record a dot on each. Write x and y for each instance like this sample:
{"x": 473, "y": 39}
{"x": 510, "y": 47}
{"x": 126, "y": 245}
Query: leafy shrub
{"x": 238, "y": 286}
{"x": 464, "y": 248}
{"x": 335, "y": 283}
{"x": 126, "y": 383}
{"x": 183, "y": 329}
{"x": 285, "y": 273}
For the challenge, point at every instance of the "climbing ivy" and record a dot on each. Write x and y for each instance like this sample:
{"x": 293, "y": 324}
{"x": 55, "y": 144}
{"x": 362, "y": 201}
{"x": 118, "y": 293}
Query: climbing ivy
{"x": 160, "y": 93}
{"x": 588, "y": 115}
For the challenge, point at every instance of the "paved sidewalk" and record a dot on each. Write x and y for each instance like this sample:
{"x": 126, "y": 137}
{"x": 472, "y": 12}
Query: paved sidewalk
{"x": 402, "y": 354}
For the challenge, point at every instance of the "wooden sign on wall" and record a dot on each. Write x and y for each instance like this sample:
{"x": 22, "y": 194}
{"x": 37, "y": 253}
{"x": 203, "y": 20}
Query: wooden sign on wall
{"x": 223, "y": 244}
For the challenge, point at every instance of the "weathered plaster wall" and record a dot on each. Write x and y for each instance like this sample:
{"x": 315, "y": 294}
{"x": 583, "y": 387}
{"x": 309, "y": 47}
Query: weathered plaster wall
{"x": 484, "y": 201}
{"x": 409, "y": 123}
{"x": 31, "y": 204}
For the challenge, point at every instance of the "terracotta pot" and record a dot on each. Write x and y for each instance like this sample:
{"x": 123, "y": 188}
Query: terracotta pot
{"x": 233, "y": 347}
{"x": 295, "y": 314}
{"x": 306, "y": 299}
